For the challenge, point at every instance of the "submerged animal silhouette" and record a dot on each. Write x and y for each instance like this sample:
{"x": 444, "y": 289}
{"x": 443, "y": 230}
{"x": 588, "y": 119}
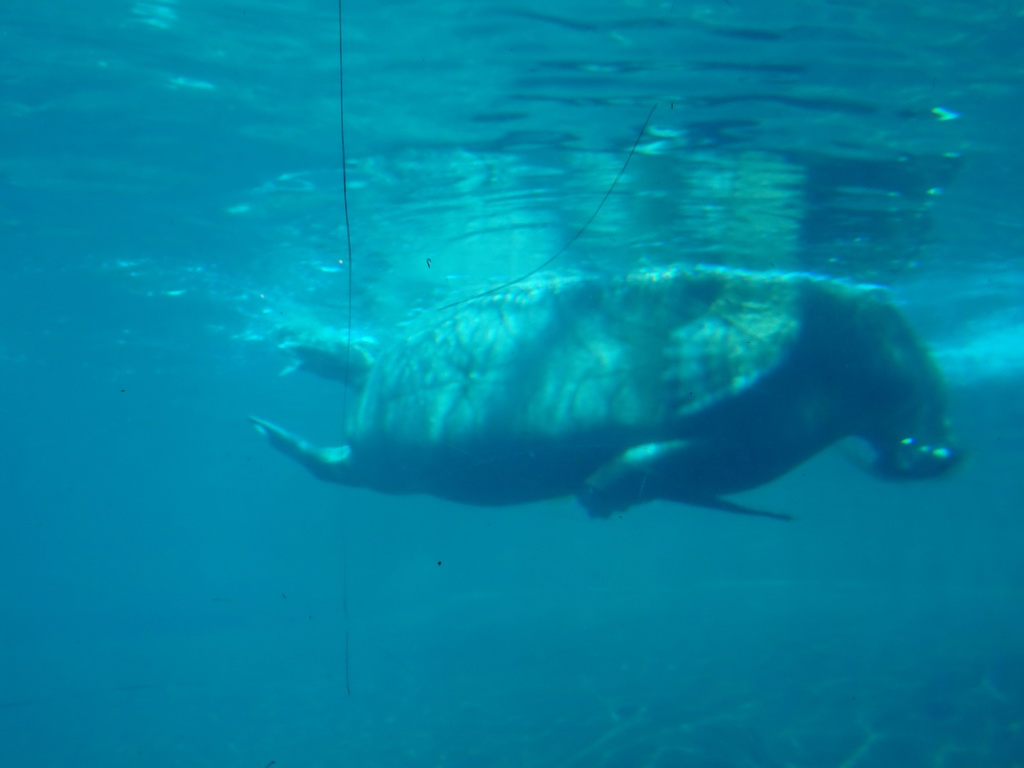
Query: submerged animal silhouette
{"x": 683, "y": 383}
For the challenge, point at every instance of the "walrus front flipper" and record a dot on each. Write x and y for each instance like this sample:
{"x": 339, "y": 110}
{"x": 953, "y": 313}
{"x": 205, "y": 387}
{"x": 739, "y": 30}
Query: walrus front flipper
{"x": 731, "y": 506}
{"x": 624, "y": 481}
{"x": 331, "y": 464}
{"x": 649, "y": 472}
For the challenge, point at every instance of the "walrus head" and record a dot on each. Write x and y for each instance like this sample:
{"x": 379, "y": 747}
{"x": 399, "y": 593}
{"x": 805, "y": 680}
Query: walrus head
{"x": 903, "y": 394}
{"x": 911, "y": 435}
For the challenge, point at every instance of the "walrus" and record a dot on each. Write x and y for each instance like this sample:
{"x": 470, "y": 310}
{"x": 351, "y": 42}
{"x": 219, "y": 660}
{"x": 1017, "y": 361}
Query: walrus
{"x": 681, "y": 383}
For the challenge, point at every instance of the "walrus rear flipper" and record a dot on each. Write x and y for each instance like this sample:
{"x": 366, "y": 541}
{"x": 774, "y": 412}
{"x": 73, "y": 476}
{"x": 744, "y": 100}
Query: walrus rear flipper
{"x": 330, "y": 464}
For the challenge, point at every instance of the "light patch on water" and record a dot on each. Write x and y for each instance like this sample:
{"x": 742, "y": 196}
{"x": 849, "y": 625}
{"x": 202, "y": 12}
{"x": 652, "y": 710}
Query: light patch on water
{"x": 654, "y": 148}
{"x": 945, "y": 114}
{"x": 666, "y": 133}
{"x": 189, "y": 82}
{"x": 158, "y": 13}
{"x": 995, "y": 352}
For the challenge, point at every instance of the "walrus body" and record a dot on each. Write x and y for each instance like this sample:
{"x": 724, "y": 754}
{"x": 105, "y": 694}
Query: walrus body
{"x": 684, "y": 384}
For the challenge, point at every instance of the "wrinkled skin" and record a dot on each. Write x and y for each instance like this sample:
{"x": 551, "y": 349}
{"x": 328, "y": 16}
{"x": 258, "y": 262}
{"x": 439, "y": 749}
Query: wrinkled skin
{"x": 678, "y": 384}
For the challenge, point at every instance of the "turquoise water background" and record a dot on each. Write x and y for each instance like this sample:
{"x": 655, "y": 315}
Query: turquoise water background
{"x": 173, "y": 593}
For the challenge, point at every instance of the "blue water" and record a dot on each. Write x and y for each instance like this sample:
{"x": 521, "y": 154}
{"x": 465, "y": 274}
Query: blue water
{"x": 174, "y": 593}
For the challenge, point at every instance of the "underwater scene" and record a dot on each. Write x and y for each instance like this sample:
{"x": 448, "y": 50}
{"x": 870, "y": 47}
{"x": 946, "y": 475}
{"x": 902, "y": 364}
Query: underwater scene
{"x": 607, "y": 384}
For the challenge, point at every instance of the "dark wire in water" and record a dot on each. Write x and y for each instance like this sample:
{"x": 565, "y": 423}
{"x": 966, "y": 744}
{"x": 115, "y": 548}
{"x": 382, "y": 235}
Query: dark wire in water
{"x": 579, "y": 232}
{"x": 348, "y": 325}
{"x": 348, "y": 229}
{"x": 348, "y": 248}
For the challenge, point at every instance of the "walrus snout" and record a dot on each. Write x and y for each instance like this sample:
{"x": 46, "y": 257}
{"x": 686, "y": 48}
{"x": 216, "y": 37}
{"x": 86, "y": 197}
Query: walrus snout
{"x": 916, "y": 459}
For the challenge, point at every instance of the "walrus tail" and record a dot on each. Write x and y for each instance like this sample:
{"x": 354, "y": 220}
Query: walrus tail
{"x": 330, "y": 464}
